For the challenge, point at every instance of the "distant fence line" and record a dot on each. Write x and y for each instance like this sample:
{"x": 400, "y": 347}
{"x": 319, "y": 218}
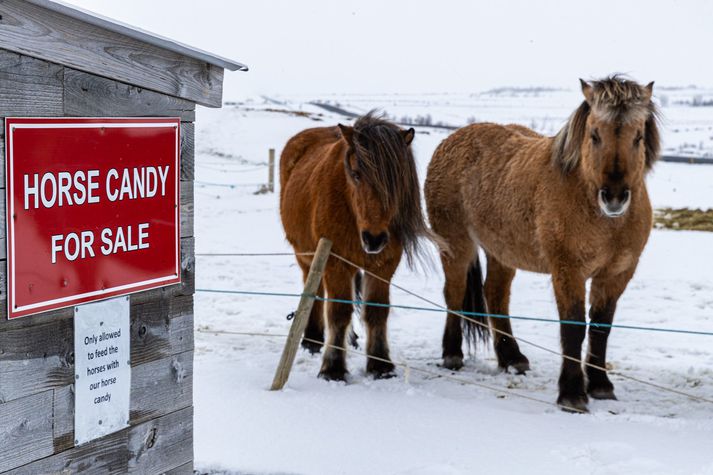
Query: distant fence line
{"x": 689, "y": 160}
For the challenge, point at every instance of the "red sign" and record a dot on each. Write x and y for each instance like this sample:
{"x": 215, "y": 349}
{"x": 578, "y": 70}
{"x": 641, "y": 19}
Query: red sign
{"x": 92, "y": 209}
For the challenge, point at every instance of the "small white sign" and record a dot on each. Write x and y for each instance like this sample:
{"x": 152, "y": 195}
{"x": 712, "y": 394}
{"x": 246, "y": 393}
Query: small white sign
{"x": 102, "y": 385}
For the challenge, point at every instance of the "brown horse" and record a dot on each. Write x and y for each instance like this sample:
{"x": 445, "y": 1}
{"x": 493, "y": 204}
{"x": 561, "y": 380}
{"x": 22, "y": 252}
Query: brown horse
{"x": 358, "y": 187}
{"x": 574, "y": 206}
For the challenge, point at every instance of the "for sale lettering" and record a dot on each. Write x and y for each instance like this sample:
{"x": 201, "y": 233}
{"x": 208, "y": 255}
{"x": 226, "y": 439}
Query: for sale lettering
{"x": 81, "y": 245}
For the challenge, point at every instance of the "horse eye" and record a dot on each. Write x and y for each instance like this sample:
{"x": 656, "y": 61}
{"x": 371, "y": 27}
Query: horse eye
{"x": 356, "y": 176}
{"x": 638, "y": 139}
{"x": 595, "y": 138}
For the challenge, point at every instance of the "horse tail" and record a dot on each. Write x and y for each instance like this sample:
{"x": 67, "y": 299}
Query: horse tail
{"x": 475, "y": 327}
{"x": 291, "y": 153}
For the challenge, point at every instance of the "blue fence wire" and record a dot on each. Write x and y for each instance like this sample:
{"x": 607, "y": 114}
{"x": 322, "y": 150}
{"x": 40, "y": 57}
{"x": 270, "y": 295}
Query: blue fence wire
{"x": 471, "y": 314}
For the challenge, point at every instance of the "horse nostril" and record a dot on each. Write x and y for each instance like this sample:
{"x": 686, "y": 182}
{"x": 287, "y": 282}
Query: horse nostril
{"x": 625, "y": 195}
{"x": 604, "y": 194}
{"x": 372, "y": 242}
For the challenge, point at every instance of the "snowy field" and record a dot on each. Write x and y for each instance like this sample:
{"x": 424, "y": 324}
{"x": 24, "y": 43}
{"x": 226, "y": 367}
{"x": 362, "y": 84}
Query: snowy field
{"x": 420, "y": 424}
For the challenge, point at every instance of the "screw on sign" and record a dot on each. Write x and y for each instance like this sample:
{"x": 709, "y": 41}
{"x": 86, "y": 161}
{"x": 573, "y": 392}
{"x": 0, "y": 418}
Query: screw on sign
{"x": 95, "y": 207}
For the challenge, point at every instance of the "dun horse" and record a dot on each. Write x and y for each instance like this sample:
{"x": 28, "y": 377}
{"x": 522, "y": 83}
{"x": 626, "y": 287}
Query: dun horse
{"x": 356, "y": 186}
{"x": 574, "y": 206}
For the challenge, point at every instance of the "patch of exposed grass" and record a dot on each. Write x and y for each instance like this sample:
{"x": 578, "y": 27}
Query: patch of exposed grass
{"x": 684, "y": 219}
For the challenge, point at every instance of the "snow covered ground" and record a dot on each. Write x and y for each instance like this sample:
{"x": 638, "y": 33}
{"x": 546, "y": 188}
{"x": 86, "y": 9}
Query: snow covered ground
{"x": 420, "y": 424}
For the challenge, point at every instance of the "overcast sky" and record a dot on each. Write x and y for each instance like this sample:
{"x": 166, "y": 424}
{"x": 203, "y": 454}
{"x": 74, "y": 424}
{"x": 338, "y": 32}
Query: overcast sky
{"x": 372, "y": 46}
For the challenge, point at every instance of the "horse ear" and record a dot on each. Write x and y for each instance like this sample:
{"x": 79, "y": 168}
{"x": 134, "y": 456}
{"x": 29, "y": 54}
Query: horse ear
{"x": 648, "y": 91}
{"x": 586, "y": 90}
{"x": 347, "y": 133}
{"x": 408, "y": 135}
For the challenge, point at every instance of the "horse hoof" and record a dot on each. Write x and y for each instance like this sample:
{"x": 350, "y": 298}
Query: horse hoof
{"x": 520, "y": 365}
{"x": 509, "y": 356}
{"x": 333, "y": 374}
{"x": 453, "y": 362}
{"x": 312, "y": 347}
{"x": 380, "y": 369}
{"x": 576, "y": 404}
{"x": 383, "y": 375}
{"x": 605, "y": 391}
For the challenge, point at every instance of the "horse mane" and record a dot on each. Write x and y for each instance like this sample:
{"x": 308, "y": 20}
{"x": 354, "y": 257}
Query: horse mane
{"x": 614, "y": 99}
{"x": 386, "y": 163}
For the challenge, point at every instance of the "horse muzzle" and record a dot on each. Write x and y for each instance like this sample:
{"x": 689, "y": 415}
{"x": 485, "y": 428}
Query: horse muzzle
{"x": 373, "y": 244}
{"x": 614, "y": 205}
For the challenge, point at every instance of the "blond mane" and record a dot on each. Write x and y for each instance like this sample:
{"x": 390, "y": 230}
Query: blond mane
{"x": 613, "y": 99}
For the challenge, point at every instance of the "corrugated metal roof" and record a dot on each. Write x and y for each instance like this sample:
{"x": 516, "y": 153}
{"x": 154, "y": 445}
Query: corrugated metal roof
{"x": 137, "y": 34}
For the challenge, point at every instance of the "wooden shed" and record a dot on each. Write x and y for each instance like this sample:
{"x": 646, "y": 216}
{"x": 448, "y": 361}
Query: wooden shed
{"x": 59, "y": 61}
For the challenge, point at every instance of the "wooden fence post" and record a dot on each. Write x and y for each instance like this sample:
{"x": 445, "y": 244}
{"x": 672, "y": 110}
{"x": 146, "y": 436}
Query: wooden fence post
{"x": 271, "y": 171}
{"x": 299, "y": 322}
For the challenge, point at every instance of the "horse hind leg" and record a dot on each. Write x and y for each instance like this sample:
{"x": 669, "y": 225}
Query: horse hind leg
{"x": 463, "y": 291}
{"x": 497, "y": 292}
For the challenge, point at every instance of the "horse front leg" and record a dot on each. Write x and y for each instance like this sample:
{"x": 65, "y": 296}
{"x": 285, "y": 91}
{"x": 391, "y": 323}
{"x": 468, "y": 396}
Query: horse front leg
{"x": 375, "y": 318}
{"x": 569, "y": 288}
{"x": 314, "y": 332}
{"x": 338, "y": 284}
{"x": 604, "y": 295}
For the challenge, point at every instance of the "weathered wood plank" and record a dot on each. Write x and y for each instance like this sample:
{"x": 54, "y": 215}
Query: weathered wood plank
{"x": 63, "y": 427}
{"x": 163, "y": 444}
{"x": 161, "y": 328}
{"x": 161, "y": 387}
{"x": 33, "y": 320}
{"x": 35, "y": 359}
{"x": 87, "y": 95}
{"x": 187, "y": 151}
{"x": 106, "y": 456}
{"x": 186, "y": 469}
{"x": 188, "y": 270}
{"x": 187, "y": 201}
{"x": 38, "y": 32}
{"x": 28, "y": 86}
{"x": 25, "y": 430}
